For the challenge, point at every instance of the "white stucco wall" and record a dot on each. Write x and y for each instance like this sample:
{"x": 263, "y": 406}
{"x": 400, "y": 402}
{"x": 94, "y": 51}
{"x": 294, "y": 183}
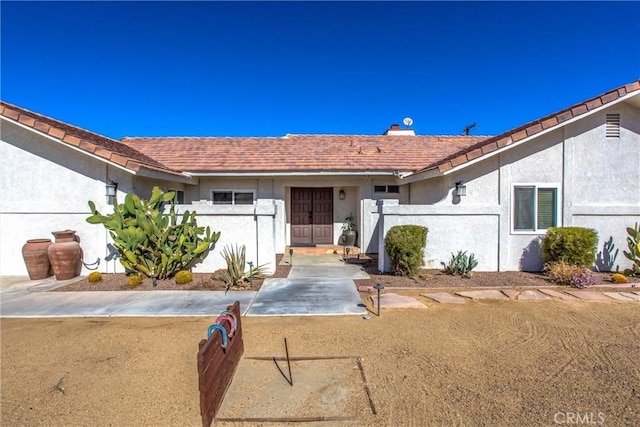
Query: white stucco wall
{"x": 45, "y": 187}
{"x": 250, "y": 225}
{"x": 471, "y": 229}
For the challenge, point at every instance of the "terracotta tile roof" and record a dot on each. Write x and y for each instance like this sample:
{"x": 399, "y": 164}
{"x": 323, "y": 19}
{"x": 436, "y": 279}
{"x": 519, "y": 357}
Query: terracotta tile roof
{"x": 302, "y": 153}
{"x": 101, "y": 146}
{"x": 474, "y": 151}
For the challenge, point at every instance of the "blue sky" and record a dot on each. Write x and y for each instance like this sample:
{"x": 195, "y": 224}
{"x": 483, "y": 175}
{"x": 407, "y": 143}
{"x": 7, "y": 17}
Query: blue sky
{"x": 267, "y": 69}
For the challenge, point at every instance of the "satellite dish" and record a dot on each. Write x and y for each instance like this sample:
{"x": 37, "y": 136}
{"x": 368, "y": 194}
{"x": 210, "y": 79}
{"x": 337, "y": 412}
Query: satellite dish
{"x": 408, "y": 121}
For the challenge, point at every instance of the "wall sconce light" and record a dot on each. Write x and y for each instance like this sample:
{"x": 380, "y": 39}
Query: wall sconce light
{"x": 111, "y": 189}
{"x": 461, "y": 189}
{"x": 342, "y": 195}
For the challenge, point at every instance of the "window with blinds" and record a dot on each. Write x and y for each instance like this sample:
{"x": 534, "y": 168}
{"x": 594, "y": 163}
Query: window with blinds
{"x": 612, "y": 127}
{"x": 534, "y": 208}
{"x": 232, "y": 197}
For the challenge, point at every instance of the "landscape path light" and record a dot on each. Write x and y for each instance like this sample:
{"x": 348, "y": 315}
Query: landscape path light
{"x": 378, "y": 287}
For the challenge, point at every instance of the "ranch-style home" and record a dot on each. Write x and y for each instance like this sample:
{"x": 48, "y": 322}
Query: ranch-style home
{"x": 491, "y": 196}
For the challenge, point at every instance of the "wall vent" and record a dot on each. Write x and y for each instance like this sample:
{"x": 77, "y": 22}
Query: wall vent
{"x": 613, "y": 126}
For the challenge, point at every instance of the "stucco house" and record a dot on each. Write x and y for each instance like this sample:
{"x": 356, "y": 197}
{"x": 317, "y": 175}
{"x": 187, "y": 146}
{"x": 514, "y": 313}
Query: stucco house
{"x": 492, "y": 196}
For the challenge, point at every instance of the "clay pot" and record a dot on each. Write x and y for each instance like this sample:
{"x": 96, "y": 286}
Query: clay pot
{"x": 36, "y": 258}
{"x": 65, "y": 255}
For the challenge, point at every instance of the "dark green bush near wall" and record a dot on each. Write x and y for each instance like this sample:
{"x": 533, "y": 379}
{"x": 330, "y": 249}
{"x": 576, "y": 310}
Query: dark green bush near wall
{"x": 405, "y": 245}
{"x": 573, "y": 245}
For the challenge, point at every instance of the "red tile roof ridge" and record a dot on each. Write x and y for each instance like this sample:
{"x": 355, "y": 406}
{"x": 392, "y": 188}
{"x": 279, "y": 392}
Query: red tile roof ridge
{"x": 305, "y": 135}
{"x": 42, "y": 116}
{"x": 535, "y": 126}
{"x": 84, "y": 140}
{"x": 129, "y": 138}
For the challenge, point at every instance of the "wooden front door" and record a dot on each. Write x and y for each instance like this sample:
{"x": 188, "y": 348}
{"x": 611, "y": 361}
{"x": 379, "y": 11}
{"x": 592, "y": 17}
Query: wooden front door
{"x": 311, "y": 216}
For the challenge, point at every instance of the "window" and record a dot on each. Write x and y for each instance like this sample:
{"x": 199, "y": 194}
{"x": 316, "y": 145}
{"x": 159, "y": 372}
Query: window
{"x": 534, "y": 207}
{"x": 179, "y": 196}
{"x": 386, "y": 189}
{"x": 232, "y": 197}
{"x": 612, "y": 127}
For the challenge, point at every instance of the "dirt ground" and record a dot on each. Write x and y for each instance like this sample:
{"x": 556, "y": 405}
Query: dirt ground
{"x": 425, "y": 279}
{"x": 481, "y": 363}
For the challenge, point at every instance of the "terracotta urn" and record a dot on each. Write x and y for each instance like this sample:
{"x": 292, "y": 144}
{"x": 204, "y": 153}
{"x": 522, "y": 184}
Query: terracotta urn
{"x": 65, "y": 255}
{"x": 36, "y": 258}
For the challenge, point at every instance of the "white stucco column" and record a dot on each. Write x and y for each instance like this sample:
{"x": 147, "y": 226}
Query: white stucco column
{"x": 265, "y": 216}
{"x": 385, "y": 222}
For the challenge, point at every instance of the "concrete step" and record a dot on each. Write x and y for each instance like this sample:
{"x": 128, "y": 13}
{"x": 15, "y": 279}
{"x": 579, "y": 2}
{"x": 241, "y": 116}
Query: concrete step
{"x": 323, "y": 249}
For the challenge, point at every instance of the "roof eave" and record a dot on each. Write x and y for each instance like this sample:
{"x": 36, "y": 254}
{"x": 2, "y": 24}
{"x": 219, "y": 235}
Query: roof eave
{"x": 296, "y": 173}
{"x": 438, "y": 170}
{"x": 130, "y": 167}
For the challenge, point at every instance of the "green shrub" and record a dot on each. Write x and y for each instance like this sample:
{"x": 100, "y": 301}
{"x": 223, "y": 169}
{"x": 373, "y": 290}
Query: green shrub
{"x": 619, "y": 278}
{"x": 566, "y": 274}
{"x": 633, "y": 242}
{"x": 134, "y": 281}
{"x": 235, "y": 276}
{"x": 95, "y": 277}
{"x": 572, "y": 245}
{"x": 183, "y": 277}
{"x": 405, "y": 246}
{"x": 150, "y": 242}
{"x": 461, "y": 264}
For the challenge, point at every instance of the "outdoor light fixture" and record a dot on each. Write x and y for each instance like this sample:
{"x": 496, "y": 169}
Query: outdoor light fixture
{"x": 461, "y": 189}
{"x": 250, "y": 274}
{"x": 111, "y": 188}
{"x": 342, "y": 194}
{"x": 378, "y": 287}
{"x": 290, "y": 256}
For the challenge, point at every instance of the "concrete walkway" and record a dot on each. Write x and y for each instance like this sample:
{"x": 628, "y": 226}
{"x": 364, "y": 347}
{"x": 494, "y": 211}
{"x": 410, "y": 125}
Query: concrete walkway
{"x": 317, "y": 285}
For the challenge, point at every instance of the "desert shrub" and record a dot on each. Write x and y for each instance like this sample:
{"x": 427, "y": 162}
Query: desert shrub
{"x": 95, "y": 277}
{"x": 151, "y": 242}
{"x": 633, "y": 242}
{"x": 572, "y": 245}
{"x": 619, "y": 278}
{"x": 236, "y": 276}
{"x": 405, "y": 246}
{"x": 564, "y": 273}
{"x": 183, "y": 277}
{"x": 461, "y": 264}
{"x": 134, "y": 281}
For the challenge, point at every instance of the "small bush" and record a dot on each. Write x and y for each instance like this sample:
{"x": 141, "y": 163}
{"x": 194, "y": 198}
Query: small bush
{"x": 95, "y": 277}
{"x": 572, "y": 245}
{"x": 405, "y": 246}
{"x": 461, "y": 264}
{"x": 566, "y": 274}
{"x": 619, "y": 278}
{"x": 583, "y": 279}
{"x": 183, "y": 277}
{"x": 134, "y": 281}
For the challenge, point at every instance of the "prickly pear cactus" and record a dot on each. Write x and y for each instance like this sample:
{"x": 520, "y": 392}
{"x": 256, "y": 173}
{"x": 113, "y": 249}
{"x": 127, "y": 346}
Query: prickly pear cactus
{"x": 633, "y": 242}
{"x": 155, "y": 244}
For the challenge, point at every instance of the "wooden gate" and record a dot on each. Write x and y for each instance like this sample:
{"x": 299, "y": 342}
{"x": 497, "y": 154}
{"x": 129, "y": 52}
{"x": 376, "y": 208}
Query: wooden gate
{"x": 311, "y": 216}
{"x": 217, "y": 365}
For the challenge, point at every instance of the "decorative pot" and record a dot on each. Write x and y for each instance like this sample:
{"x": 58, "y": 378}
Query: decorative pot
{"x": 348, "y": 238}
{"x": 65, "y": 255}
{"x": 36, "y": 258}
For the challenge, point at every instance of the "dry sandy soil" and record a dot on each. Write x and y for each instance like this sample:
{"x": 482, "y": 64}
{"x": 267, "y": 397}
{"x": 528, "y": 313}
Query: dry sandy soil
{"x": 481, "y": 363}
